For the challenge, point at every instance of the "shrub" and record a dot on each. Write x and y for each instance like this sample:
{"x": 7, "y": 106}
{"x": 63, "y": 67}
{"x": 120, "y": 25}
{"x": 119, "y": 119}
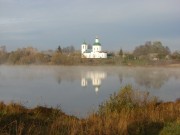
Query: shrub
{"x": 171, "y": 129}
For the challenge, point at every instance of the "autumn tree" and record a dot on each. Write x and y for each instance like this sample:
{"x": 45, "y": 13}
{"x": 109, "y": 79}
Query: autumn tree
{"x": 3, "y": 57}
{"x": 176, "y": 55}
{"x": 152, "y": 48}
{"x": 14, "y": 57}
{"x": 68, "y": 49}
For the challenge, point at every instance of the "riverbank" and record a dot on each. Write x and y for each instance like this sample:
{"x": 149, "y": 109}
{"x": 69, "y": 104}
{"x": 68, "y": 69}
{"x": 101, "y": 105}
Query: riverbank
{"x": 175, "y": 64}
{"x": 126, "y": 112}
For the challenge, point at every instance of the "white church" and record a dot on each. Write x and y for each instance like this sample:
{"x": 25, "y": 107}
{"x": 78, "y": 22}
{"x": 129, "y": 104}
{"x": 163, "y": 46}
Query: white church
{"x": 95, "y": 52}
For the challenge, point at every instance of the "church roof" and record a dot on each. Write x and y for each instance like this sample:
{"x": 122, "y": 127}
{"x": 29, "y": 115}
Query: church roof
{"x": 88, "y": 51}
{"x": 97, "y": 44}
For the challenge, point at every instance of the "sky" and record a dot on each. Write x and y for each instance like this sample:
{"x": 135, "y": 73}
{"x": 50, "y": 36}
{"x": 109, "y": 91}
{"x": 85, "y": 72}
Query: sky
{"x": 46, "y": 24}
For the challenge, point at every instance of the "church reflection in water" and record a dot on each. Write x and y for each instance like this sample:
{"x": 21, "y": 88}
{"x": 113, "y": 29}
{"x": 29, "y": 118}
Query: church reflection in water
{"x": 95, "y": 77}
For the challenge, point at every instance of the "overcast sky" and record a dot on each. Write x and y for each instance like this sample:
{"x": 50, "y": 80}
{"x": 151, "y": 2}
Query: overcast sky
{"x": 45, "y": 24}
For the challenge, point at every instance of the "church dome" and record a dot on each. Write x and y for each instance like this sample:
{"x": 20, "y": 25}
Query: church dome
{"x": 97, "y": 43}
{"x": 84, "y": 42}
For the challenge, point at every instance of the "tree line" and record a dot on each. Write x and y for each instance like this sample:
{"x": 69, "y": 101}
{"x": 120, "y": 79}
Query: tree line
{"x": 30, "y": 55}
{"x": 149, "y": 48}
{"x": 149, "y": 51}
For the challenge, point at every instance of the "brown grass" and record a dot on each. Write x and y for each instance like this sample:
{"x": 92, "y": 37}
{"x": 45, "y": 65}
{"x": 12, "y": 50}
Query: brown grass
{"x": 127, "y": 112}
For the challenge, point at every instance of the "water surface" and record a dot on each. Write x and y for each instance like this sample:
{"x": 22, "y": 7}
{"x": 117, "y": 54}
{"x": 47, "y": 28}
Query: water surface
{"x": 79, "y": 90}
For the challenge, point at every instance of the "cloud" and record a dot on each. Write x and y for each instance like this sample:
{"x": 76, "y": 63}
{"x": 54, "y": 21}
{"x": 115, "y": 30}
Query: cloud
{"x": 44, "y": 21}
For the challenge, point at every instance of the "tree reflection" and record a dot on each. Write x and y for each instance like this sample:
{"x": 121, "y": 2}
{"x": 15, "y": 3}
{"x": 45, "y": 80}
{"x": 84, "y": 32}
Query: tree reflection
{"x": 149, "y": 78}
{"x": 66, "y": 74}
{"x": 120, "y": 77}
{"x": 154, "y": 77}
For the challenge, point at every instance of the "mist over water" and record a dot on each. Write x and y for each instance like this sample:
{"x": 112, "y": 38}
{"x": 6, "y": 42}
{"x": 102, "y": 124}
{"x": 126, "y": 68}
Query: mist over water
{"x": 79, "y": 90}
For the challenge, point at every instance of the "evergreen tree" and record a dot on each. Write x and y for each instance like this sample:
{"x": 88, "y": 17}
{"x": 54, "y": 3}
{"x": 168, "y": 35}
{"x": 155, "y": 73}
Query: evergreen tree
{"x": 59, "y": 49}
{"x": 121, "y": 52}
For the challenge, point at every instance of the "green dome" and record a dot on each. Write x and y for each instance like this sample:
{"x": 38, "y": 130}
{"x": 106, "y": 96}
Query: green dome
{"x": 84, "y": 42}
{"x": 97, "y": 44}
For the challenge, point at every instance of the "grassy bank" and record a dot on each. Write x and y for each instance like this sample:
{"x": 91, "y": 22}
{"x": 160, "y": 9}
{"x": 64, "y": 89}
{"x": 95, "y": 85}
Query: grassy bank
{"x": 126, "y": 112}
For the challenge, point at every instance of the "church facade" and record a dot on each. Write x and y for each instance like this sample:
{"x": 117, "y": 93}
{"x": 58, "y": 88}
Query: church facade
{"x": 94, "y": 52}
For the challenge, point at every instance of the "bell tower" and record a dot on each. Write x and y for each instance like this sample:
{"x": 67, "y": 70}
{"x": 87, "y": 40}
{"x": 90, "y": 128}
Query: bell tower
{"x": 84, "y": 47}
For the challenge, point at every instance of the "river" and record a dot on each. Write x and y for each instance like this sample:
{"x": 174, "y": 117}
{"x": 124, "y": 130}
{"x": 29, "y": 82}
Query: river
{"x": 78, "y": 90}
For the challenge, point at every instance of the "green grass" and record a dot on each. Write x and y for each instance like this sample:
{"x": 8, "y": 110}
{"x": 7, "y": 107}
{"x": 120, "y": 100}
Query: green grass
{"x": 128, "y": 112}
{"x": 171, "y": 129}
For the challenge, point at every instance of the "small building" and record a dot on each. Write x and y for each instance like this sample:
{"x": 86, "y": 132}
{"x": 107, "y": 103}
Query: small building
{"x": 153, "y": 56}
{"x": 94, "y": 52}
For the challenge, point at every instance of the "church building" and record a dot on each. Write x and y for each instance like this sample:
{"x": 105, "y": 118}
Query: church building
{"x": 94, "y": 52}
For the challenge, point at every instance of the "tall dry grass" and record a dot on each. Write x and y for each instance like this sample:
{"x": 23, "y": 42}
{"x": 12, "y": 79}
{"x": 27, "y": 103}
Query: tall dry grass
{"x": 128, "y": 112}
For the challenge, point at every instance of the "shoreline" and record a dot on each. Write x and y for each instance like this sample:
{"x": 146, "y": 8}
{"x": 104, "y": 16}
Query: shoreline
{"x": 51, "y": 65}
